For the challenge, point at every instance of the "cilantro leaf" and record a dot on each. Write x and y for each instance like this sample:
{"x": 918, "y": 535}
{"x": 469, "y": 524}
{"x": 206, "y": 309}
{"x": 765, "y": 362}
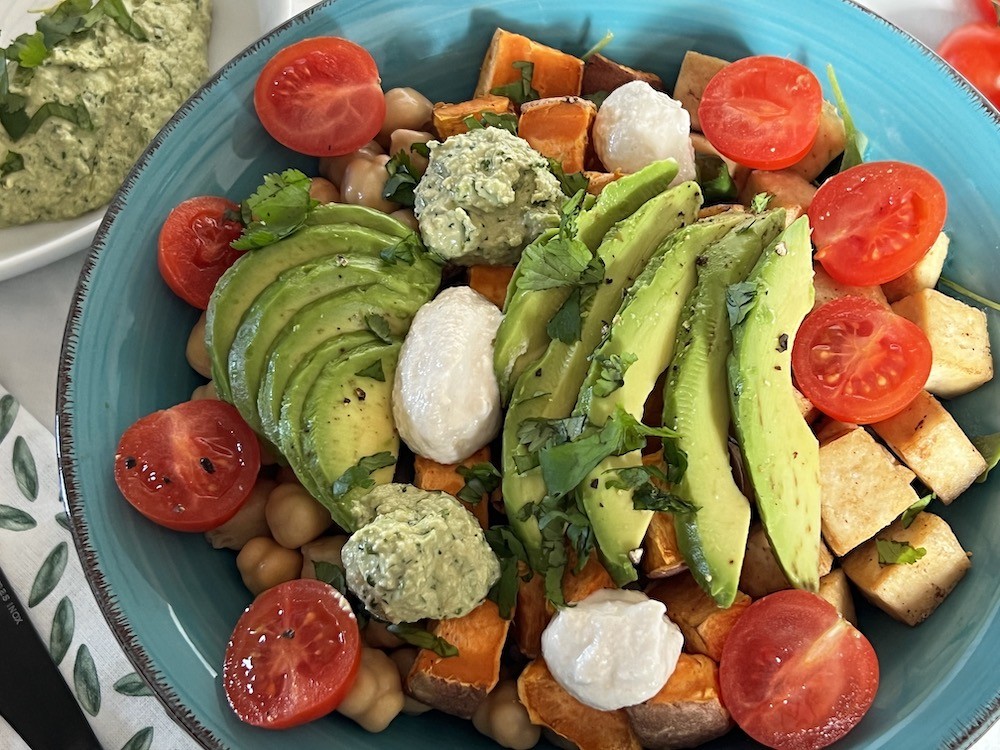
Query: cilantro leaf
{"x": 571, "y": 183}
{"x": 561, "y": 261}
{"x": 404, "y": 251}
{"x": 373, "y": 371}
{"x": 910, "y": 513}
{"x": 28, "y": 50}
{"x": 480, "y": 481}
{"x": 421, "y": 149}
{"x": 647, "y": 494}
{"x": 612, "y": 372}
{"x": 379, "y": 326}
{"x": 536, "y": 433}
{"x": 740, "y": 299}
{"x": 567, "y": 324}
{"x": 275, "y": 210}
{"x": 117, "y": 12}
{"x": 359, "y": 475}
{"x": 989, "y": 447}
{"x": 421, "y": 638}
{"x": 403, "y": 178}
{"x": 891, "y": 552}
{"x": 597, "y": 97}
{"x": 18, "y": 124}
{"x": 521, "y": 90}
{"x": 855, "y": 141}
{"x": 512, "y": 555}
{"x": 12, "y": 162}
{"x": 713, "y": 176}
{"x": 487, "y": 119}
{"x": 331, "y": 573}
{"x": 760, "y": 202}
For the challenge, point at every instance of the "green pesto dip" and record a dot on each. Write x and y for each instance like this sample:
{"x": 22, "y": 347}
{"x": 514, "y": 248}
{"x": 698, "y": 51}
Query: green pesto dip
{"x": 129, "y": 87}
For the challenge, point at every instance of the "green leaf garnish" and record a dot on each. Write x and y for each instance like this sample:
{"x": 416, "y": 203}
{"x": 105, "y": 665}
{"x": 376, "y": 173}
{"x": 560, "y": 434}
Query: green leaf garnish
{"x": 989, "y": 447}
{"x": 511, "y": 554}
{"x": 956, "y": 287}
{"x": 487, "y": 119}
{"x": 571, "y": 183}
{"x": 12, "y": 162}
{"x": 480, "y": 481}
{"x": 855, "y": 141}
{"x": 28, "y": 50}
{"x": 117, "y": 12}
{"x": 604, "y": 42}
{"x": 567, "y": 324}
{"x": 421, "y": 638}
{"x": 891, "y": 552}
{"x": 713, "y": 176}
{"x": 275, "y": 210}
{"x": 373, "y": 371}
{"x": 379, "y": 326}
{"x": 612, "y": 372}
{"x": 359, "y": 475}
{"x": 521, "y": 90}
{"x": 563, "y": 260}
{"x": 910, "y": 513}
{"x": 404, "y": 251}
{"x": 760, "y": 202}
{"x": 646, "y": 494}
{"x": 421, "y": 149}
{"x": 597, "y": 97}
{"x": 740, "y": 299}
{"x": 331, "y": 573}
{"x": 536, "y": 434}
{"x": 403, "y": 177}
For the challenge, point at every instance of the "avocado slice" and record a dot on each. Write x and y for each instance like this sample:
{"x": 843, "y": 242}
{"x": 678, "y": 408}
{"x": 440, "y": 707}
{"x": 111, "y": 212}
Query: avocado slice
{"x": 548, "y": 389}
{"x": 695, "y": 405}
{"x": 645, "y": 327}
{"x": 521, "y": 339}
{"x": 346, "y": 416}
{"x": 362, "y": 216}
{"x": 781, "y": 452}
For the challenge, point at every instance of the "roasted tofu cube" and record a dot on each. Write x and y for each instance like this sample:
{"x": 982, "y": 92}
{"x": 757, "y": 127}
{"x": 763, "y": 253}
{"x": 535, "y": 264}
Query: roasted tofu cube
{"x": 924, "y": 275}
{"x": 809, "y": 412}
{"x": 827, "y": 289}
{"x": 909, "y": 592}
{"x": 828, "y": 429}
{"x": 661, "y": 555}
{"x": 738, "y": 172}
{"x": 835, "y": 589}
{"x": 863, "y": 488}
{"x": 704, "y": 623}
{"x": 959, "y": 341}
{"x": 695, "y": 73}
{"x": 761, "y": 574}
{"x": 601, "y": 74}
{"x": 829, "y": 144}
{"x": 687, "y": 711}
{"x": 787, "y": 189}
{"x": 927, "y": 439}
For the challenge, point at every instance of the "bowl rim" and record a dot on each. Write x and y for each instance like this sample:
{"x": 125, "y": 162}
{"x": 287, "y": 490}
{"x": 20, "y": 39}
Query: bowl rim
{"x": 119, "y": 623}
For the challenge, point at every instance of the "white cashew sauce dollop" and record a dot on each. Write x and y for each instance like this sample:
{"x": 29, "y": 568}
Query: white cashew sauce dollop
{"x": 445, "y": 397}
{"x": 613, "y": 649}
{"x": 637, "y": 125}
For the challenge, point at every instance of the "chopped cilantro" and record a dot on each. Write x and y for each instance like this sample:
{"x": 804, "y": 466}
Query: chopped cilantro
{"x": 713, "y": 176}
{"x": 520, "y": 90}
{"x": 359, "y": 475}
{"x": 511, "y": 554}
{"x": 740, "y": 299}
{"x": 910, "y": 513}
{"x": 647, "y": 494}
{"x": 12, "y": 162}
{"x": 989, "y": 447}
{"x": 567, "y": 324}
{"x": 855, "y": 141}
{"x": 487, "y": 119}
{"x": 597, "y": 97}
{"x": 373, "y": 371}
{"x": 760, "y": 202}
{"x": 480, "y": 480}
{"x": 379, "y": 326}
{"x": 612, "y": 372}
{"x": 421, "y": 638}
{"x": 275, "y": 210}
{"x": 404, "y": 251}
{"x": 891, "y": 552}
{"x": 571, "y": 183}
{"x": 536, "y": 434}
{"x": 331, "y": 573}
{"x": 420, "y": 149}
{"x": 563, "y": 260}
{"x": 403, "y": 178}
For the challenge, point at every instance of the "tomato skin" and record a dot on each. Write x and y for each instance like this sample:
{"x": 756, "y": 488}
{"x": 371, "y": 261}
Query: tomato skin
{"x": 874, "y": 222}
{"x": 193, "y": 248}
{"x": 794, "y": 674}
{"x": 973, "y": 49}
{"x": 881, "y": 360}
{"x": 321, "y": 96}
{"x": 762, "y": 111}
{"x": 189, "y": 467}
{"x": 293, "y": 655}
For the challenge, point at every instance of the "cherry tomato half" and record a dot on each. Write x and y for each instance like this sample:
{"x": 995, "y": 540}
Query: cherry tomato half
{"x": 189, "y": 467}
{"x": 321, "y": 97}
{"x": 194, "y": 249}
{"x": 987, "y": 10}
{"x": 858, "y": 361}
{"x": 973, "y": 49}
{"x": 762, "y": 111}
{"x": 293, "y": 655}
{"x": 794, "y": 674}
{"x": 872, "y": 223}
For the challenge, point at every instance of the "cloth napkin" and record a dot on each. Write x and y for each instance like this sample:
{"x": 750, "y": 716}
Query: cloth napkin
{"x": 39, "y": 559}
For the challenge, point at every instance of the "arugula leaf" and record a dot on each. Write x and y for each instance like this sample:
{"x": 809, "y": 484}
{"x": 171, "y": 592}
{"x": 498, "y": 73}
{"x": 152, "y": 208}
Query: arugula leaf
{"x": 536, "y": 433}
{"x": 512, "y": 555}
{"x": 955, "y": 287}
{"x": 612, "y": 372}
{"x": 12, "y": 162}
{"x": 379, "y": 326}
{"x": 855, "y": 141}
{"x": 404, "y": 251}
{"x": 910, "y": 513}
{"x": 480, "y": 481}
{"x": 519, "y": 91}
{"x": 403, "y": 178}
{"x": 604, "y": 42}
{"x": 275, "y": 210}
{"x": 567, "y": 324}
{"x": 331, "y": 573}
{"x": 891, "y": 552}
{"x": 713, "y": 176}
{"x": 989, "y": 447}
{"x": 571, "y": 183}
{"x": 359, "y": 475}
{"x": 740, "y": 299}
{"x": 487, "y": 119}
{"x": 760, "y": 202}
{"x": 421, "y": 638}
{"x": 373, "y": 371}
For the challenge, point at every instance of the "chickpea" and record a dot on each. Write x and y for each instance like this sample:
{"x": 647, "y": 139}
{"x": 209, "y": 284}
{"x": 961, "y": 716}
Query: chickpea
{"x": 248, "y": 522}
{"x": 403, "y": 139}
{"x": 325, "y": 549}
{"x": 364, "y": 180}
{"x": 376, "y": 698}
{"x": 404, "y": 108}
{"x": 332, "y": 167}
{"x": 377, "y": 635}
{"x": 197, "y": 352}
{"x": 324, "y": 191}
{"x": 294, "y": 516}
{"x": 503, "y": 718}
{"x": 206, "y": 392}
{"x": 263, "y": 564}
{"x": 404, "y": 658}
{"x": 406, "y": 216}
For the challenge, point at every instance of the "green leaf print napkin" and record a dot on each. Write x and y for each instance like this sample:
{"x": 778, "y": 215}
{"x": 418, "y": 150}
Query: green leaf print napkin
{"x": 39, "y": 559}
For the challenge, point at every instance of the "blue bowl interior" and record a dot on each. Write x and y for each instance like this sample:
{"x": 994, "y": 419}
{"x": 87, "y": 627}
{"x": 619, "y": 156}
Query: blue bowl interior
{"x": 173, "y": 599}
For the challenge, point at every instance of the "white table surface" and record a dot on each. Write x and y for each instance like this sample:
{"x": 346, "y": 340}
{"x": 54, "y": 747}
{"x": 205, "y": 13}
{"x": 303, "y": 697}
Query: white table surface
{"x": 33, "y": 307}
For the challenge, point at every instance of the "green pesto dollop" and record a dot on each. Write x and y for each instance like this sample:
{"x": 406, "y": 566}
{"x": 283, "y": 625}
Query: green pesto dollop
{"x": 129, "y": 87}
{"x": 484, "y": 196}
{"x": 420, "y": 554}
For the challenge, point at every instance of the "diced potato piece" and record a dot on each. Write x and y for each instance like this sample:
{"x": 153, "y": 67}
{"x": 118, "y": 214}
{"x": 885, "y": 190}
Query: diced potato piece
{"x": 829, "y": 143}
{"x": 863, "y": 488}
{"x": 738, "y": 172}
{"x": 551, "y": 706}
{"x": 924, "y": 275}
{"x": 835, "y": 589}
{"x": 704, "y": 623}
{"x": 809, "y": 412}
{"x": 830, "y": 429}
{"x": 559, "y": 128}
{"x": 687, "y": 711}
{"x": 761, "y": 574}
{"x": 601, "y": 74}
{"x": 458, "y": 684}
{"x": 787, "y": 189}
{"x": 661, "y": 555}
{"x": 430, "y": 475}
{"x": 927, "y": 438}
{"x": 959, "y": 341}
{"x": 491, "y": 282}
{"x": 556, "y": 73}
{"x": 449, "y": 119}
{"x": 695, "y": 73}
{"x": 827, "y": 289}
{"x": 597, "y": 181}
{"x": 910, "y": 592}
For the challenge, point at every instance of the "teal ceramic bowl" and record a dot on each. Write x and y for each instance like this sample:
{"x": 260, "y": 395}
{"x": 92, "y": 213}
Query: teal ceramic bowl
{"x": 173, "y": 600}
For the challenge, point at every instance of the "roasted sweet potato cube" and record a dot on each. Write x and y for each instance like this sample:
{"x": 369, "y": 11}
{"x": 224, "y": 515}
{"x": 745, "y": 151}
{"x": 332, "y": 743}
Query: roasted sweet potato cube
{"x": 430, "y": 475}
{"x": 449, "y": 119}
{"x": 555, "y": 73}
{"x": 458, "y": 684}
{"x": 491, "y": 282}
{"x": 661, "y": 556}
{"x": 601, "y": 74}
{"x": 559, "y": 128}
{"x": 597, "y": 181}
{"x": 532, "y": 613}
{"x": 551, "y": 706}
{"x": 686, "y": 712}
{"x": 704, "y": 623}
